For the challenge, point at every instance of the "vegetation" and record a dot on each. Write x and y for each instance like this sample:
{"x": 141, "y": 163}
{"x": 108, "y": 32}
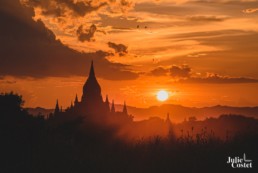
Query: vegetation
{"x": 34, "y": 144}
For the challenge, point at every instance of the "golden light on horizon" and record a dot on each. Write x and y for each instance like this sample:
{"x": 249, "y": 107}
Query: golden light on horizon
{"x": 162, "y": 95}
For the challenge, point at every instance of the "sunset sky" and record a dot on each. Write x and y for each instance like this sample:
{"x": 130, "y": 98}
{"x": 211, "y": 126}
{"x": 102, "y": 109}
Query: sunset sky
{"x": 203, "y": 53}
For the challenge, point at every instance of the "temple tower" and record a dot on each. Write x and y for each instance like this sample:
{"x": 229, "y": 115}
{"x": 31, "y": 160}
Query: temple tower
{"x": 92, "y": 99}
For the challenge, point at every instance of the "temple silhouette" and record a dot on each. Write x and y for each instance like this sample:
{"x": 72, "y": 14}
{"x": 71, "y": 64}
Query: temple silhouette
{"x": 92, "y": 106}
{"x": 98, "y": 114}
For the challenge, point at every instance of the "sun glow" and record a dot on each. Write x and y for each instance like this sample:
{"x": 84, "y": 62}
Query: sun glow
{"x": 162, "y": 95}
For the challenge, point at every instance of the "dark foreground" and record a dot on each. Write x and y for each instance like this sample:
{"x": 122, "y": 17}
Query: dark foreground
{"x": 33, "y": 144}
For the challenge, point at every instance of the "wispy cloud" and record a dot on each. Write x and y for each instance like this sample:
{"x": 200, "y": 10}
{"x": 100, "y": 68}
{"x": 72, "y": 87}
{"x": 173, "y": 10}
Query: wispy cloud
{"x": 184, "y": 74}
{"x": 218, "y": 79}
{"x": 250, "y": 10}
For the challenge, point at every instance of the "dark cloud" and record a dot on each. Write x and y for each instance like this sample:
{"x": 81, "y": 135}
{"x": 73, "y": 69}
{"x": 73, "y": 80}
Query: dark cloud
{"x": 184, "y": 75}
{"x": 59, "y": 7}
{"x": 160, "y": 71}
{"x": 218, "y": 79}
{"x": 206, "y": 19}
{"x": 180, "y": 71}
{"x": 174, "y": 71}
{"x": 86, "y": 35}
{"x": 29, "y": 49}
{"x": 74, "y": 8}
{"x": 119, "y": 48}
{"x": 125, "y": 5}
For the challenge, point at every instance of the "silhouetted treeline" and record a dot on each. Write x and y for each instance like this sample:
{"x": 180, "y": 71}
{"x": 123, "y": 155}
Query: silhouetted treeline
{"x": 73, "y": 145}
{"x": 20, "y": 133}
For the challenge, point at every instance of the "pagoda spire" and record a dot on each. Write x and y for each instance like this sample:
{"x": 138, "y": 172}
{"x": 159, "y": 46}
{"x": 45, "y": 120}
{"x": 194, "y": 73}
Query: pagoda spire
{"x": 92, "y": 72}
{"x": 168, "y": 118}
{"x": 107, "y": 103}
{"x": 92, "y": 89}
{"x": 76, "y": 100}
{"x": 57, "y": 110}
{"x": 169, "y": 126}
{"x": 125, "y": 109}
{"x": 113, "y": 107}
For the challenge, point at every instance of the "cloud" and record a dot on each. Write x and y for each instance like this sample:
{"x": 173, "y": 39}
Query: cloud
{"x": 180, "y": 71}
{"x": 66, "y": 18}
{"x": 250, "y": 10}
{"x": 29, "y": 49}
{"x": 206, "y": 18}
{"x": 175, "y": 71}
{"x": 183, "y": 75}
{"x": 159, "y": 71}
{"x": 232, "y": 51}
{"x": 87, "y": 35}
{"x": 125, "y": 5}
{"x": 78, "y": 8}
{"x": 119, "y": 48}
{"x": 60, "y": 8}
{"x": 218, "y": 79}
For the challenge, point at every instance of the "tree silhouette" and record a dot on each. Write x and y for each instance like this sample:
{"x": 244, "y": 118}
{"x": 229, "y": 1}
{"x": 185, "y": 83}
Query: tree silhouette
{"x": 11, "y": 101}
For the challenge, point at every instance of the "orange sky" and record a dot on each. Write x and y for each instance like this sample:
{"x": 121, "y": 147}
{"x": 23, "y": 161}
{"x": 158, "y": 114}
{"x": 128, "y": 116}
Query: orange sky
{"x": 203, "y": 53}
{"x": 44, "y": 92}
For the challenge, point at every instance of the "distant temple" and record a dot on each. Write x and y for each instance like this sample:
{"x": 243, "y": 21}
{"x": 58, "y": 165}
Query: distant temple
{"x": 96, "y": 112}
{"x": 92, "y": 105}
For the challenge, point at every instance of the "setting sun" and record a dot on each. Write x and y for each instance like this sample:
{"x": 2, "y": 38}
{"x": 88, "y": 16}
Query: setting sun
{"x": 162, "y": 95}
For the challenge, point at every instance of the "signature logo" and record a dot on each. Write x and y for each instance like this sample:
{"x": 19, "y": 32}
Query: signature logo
{"x": 238, "y": 162}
